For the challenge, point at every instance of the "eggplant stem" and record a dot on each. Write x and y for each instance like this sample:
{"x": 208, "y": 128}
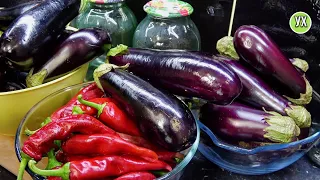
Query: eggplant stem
{"x": 62, "y": 172}
{"x": 304, "y": 98}
{"x": 36, "y": 79}
{"x": 301, "y": 64}
{"x": 226, "y": 48}
{"x": 300, "y": 115}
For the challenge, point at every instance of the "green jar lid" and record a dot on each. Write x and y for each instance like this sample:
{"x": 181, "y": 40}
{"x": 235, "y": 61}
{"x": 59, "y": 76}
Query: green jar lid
{"x": 105, "y": 1}
{"x": 168, "y": 8}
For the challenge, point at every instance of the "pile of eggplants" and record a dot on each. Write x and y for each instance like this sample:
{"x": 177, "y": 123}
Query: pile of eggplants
{"x": 36, "y": 47}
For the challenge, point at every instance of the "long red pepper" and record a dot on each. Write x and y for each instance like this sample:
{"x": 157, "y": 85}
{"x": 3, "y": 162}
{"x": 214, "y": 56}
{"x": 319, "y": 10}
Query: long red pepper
{"x": 89, "y": 92}
{"x": 137, "y": 176}
{"x": 100, "y": 167}
{"x": 43, "y": 139}
{"x": 105, "y": 144}
{"x": 110, "y": 114}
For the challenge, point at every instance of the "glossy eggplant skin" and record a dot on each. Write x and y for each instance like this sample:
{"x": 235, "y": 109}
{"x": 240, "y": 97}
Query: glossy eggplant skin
{"x": 35, "y": 28}
{"x": 162, "y": 117}
{"x": 8, "y": 15}
{"x": 259, "y": 50}
{"x": 183, "y": 73}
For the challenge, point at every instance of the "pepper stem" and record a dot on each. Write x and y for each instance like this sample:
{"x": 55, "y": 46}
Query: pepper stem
{"x": 52, "y": 161}
{"x": 77, "y": 110}
{"x": 28, "y": 132}
{"x": 62, "y": 172}
{"x": 99, "y": 107}
{"x": 24, "y": 161}
{"x": 37, "y": 79}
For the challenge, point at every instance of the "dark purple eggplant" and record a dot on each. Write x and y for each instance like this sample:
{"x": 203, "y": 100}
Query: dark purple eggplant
{"x": 162, "y": 117}
{"x": 259, "y": 94}
{"x": 8, "y": 15}
{"x": 13, "y": 86}
{"x": 255, "y": 47}
{"x": 77, "y": 50}
{"x": 32, "y": 31}
{"x": 239, "y": 122}
{"x": 181, "y": 72}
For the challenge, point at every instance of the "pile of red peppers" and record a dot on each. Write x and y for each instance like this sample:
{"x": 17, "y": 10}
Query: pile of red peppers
{"x": 92, "y": 138}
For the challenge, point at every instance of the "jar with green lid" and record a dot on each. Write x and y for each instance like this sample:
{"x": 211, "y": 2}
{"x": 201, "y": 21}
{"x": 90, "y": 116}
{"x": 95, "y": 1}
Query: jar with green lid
{"x": 112, "y": 15}
{"x": 167, "y": 26}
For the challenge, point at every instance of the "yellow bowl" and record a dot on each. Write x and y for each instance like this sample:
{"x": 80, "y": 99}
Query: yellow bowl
{"x": 14, "y": 105}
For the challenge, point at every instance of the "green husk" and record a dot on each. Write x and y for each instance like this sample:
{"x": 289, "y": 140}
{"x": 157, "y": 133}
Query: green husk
{"x": 281, "y": 129}
{"x": 301, "y": 64}
{"x": 36, "y": 79}
{"x": 304, "y": 98}
{"x": 300, "y": 115}
{"x": 226, "y": 48}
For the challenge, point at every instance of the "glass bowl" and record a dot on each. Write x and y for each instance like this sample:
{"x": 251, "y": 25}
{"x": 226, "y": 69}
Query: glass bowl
{"x": 264, "y": 159}
{"x": 48, "y": 105}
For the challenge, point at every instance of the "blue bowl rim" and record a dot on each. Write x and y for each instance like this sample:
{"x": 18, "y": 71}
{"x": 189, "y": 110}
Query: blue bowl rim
{"x": 176, "y": 170}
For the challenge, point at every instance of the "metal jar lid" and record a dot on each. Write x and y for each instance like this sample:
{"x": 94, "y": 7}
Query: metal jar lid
{"x": 168, "y": 8}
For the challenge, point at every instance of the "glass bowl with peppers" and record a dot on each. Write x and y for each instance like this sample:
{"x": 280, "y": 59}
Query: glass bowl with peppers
{"x": 80, "y": 154}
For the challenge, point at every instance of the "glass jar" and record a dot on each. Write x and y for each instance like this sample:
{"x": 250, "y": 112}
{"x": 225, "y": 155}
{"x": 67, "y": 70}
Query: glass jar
{"x": 113, "y": 16}
{"x": 167, "y": 26}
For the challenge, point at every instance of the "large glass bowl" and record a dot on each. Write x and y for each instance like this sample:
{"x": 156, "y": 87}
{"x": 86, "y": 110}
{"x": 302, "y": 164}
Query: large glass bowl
{"x": 52, "y": 102}
{"x": 264, "y": 159}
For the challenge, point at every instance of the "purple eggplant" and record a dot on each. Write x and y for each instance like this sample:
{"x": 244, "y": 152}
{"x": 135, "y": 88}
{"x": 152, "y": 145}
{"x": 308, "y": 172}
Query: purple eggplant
{"x": 162, "y": 117}
{"x": 181, "y": 72}
{"x": 239, "y": 122}
{"x": 260, "y": 51}
{"x": 8, "y": 15}
{"x": 259, "y": 94}
{"x": 33, "y": 30}
{"x": 78, "y": 49}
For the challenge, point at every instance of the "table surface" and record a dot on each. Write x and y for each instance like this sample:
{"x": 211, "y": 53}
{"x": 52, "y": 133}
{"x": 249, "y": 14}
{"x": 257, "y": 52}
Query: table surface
{"x": 201, "y": 169}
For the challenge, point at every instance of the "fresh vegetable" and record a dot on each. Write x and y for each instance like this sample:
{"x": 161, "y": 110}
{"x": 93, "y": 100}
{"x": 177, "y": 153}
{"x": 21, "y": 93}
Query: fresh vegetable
{"x": 100, "y": 167}
{"x": 34, "y": 29}
{"x": 137, "y": 176}
{"x": 78, "y": 49}
{"x": 89, "y": 92}
{"x": 300, "y": 64}
{"x": 8, "y": 15}
{"x": 52, "y": 161}
{"x": 110, "y": 114}
{"x": 42, "y": 141}
{"x": 161, "y": 117}
{"x": 103, "y": 145}
{"x": 180, "y": 72}
{"x": 257, "y": 48}
{"x": 2, "y": 75}
{"x": 240, "y": 122}
{"x": 257, "y": 93}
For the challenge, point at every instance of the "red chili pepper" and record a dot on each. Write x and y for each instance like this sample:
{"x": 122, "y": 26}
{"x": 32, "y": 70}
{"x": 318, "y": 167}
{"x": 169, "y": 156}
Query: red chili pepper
{"x": 43, "y": 139}
{"x": 89, "y": 92}
{"x": 103, "y": 145}
{"x": 163, "y": 155}
{"x": 110, "y": 114}
{"x": 137, "y": 176}
{"x": 100, "y": 167}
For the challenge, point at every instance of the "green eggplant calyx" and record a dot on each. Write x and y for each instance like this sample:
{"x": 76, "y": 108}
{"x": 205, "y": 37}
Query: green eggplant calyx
{"x": 77, "y": 110}
{"x": 1, "y": 33}
{"x": 118, "y": 50}
{"x": 36, "y": 79}
{"x": 24, "y": 161}
{"x": 281, "y": 129}
{"x": 300, "y": 115}
{"x": 52, "y": 161}
{"x": 301, "y": 64}
{"x": 62, "y": 172}
{"x": 226, "y": 48}
{"x": 104, "y": 69}
{"x": 99, "y": 107}
{"x": 304, "y": 98}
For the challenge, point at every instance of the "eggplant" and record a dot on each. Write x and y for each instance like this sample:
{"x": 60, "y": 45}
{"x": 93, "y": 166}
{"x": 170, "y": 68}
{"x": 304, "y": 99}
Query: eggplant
{"x": 8, "y": 15}
{"x": 182, "y": 73}
{"x": 77, "y": 50}
{"x": 259, "y": 94}
{"x": 161, "y": 117}
{"x": 260, "y": 51}
{"x": 301, "y": 65}
{"x": 32, "y": 31}
{"x": 240, "y": 122}
{"x": 13, "y": 86}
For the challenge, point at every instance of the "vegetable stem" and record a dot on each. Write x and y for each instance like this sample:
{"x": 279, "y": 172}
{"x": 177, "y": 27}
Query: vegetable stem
{"x": 99, "y": 107}
{"x": 24, "y": 161}
{"x": 62, "y": 172}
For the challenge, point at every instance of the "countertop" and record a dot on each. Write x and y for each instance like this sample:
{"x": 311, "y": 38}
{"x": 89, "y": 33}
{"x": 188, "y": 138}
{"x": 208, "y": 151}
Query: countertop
{"x": 201, "y": 169}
